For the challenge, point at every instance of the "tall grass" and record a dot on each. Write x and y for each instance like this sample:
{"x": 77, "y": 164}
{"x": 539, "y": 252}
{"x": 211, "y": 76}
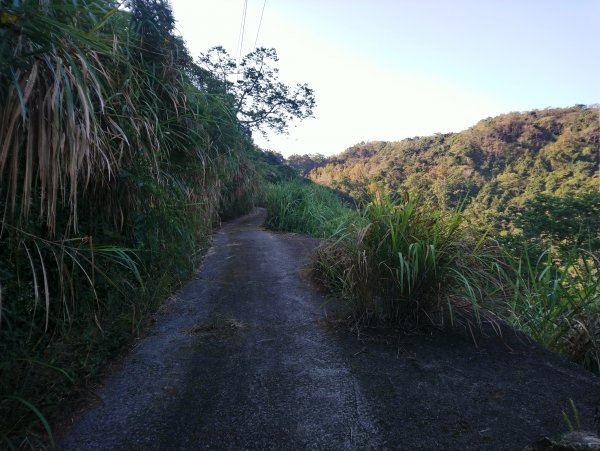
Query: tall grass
{"x": 302, "y": 206}
{"x": 558, "y": 303}
{"x": 59, "y": 131}
{"x": 114, "y": 166}
{"x": 407, "y": 263}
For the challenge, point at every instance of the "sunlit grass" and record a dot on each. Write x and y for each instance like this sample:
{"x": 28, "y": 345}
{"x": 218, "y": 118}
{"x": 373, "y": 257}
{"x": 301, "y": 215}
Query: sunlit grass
{"x": 407, "y": 263}
{"x": 558, "y": 303}
{"x": 299, "y": 206}
{"x": 399, "y": 260}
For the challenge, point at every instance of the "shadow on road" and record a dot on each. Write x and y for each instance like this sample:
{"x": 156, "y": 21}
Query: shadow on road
{"x": 241, "y": 360}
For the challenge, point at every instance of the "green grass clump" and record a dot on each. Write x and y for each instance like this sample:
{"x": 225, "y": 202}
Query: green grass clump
{"x": 407, "y": 263}
{"x": 401, "y": 261}
{"x": 302, "y": 206}
{"x": 557, "y": 302}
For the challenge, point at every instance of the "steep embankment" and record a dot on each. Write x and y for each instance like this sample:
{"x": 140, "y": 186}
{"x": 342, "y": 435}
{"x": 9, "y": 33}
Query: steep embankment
{"x": 244, "y": 358}
{"x": 499, "y": 163}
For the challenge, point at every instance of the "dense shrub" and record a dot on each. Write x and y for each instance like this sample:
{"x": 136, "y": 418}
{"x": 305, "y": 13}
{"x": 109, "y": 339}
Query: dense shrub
{"x": 114, "y": 166}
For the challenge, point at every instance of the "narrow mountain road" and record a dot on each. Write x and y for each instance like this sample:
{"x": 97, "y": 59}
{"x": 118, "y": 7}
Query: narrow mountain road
{"x": 244, "y": 358}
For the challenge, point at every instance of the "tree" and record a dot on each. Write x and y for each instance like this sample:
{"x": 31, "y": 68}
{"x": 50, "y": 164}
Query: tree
{"x": 566, "y": 221}
{"x": 260, "y": 101}
{"x": 306, "y": 163}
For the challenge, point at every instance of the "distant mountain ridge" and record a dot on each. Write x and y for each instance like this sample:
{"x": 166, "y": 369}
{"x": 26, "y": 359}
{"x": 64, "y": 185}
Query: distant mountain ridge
{"x": 498, "y": 164}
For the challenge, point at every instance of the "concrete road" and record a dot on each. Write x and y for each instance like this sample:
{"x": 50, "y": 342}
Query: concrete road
{"x": 244, "y": 358}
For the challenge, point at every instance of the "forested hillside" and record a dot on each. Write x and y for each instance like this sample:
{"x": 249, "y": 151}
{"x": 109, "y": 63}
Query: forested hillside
{"x": 504, "y": 216}
{"x": 500, "y": 166}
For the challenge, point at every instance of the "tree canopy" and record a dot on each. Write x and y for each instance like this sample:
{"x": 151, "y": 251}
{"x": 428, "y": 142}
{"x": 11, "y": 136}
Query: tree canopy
{"x": 500, "y": 167}
{"x": 564, "y": 221}
{"x": 261, "y": 101}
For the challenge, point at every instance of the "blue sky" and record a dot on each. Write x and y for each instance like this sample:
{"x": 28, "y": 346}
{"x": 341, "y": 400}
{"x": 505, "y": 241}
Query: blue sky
{"x": 398, "y": 68}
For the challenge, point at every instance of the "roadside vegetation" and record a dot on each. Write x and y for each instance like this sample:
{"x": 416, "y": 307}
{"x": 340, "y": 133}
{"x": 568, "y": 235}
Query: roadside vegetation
{"x": 118, "y": 155}
{"x": 301, "y": 206}
{"x": 556, "y": 301}
{"x": 407, "y": 263}
{"x": 400, "y": 260}
{"x": 504, "y": 216}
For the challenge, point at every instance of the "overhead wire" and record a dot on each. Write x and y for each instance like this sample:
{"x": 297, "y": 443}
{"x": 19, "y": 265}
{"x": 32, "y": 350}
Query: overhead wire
{"x": 262, "y": 13}
{"x": 242, "y": 29}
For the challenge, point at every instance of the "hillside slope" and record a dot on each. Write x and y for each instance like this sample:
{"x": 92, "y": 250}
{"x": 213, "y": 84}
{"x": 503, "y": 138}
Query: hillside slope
{"x": 498, "y": 164}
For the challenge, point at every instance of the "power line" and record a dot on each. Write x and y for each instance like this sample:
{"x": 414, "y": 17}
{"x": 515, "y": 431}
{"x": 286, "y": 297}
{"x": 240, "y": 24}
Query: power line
{"x": 242, "y": 29}
{"x": 260, "y": 22}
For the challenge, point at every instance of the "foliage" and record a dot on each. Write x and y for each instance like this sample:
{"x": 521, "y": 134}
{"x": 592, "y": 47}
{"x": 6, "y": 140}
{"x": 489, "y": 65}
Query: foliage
{"x": 558, "y": 303}
{"x": 57, "y": 119}
{"x": 500, "y": 164}
{"x": 300, "y": 206}
{"x": 568, "y": 221}
{"x": 408, "y": 263}
{"x": 304, "y": 164}
{"x": 115, "y": 163}
{"x": 259, "y": 99}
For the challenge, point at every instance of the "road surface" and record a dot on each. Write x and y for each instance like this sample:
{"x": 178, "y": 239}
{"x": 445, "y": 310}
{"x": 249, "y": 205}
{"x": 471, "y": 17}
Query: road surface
{"x": 245, "y": 358}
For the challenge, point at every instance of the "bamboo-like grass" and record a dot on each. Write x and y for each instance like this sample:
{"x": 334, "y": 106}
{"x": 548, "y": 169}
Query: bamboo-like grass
{"x": 557, "y": 302}
{"x": 114, "y": 167}
{"x": 56, "y": 131}
{"x": 400, "y": 261}
{"x": 410, "y": 264}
